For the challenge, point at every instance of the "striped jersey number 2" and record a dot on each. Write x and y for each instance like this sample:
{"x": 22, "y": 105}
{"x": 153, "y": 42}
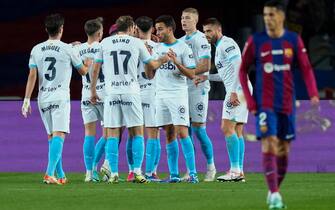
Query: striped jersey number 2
{"x": 262, "y": 118}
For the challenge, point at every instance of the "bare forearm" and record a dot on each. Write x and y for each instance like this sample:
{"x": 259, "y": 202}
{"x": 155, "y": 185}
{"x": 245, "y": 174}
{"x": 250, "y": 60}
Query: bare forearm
{"x": 30, "y": 84}
{"x": 203, "y": 66}
{"x": 189, "y": 73}
{"x": 95, "y": 73}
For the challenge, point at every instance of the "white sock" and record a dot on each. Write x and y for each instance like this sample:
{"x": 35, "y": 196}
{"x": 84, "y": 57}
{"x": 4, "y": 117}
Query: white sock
{"x": 210, "y": 167}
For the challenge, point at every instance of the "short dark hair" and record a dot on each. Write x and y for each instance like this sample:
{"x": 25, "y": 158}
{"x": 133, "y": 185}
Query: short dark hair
{"x": 212, "y": 21}
{"x": 94, "y": 25}
{"x": 278, "y": 4}
{"x": 167, "y": 20}
{"x": 124, "y": 22}
{"x": 144, "y": 23}
{"x": 53, "y": 23}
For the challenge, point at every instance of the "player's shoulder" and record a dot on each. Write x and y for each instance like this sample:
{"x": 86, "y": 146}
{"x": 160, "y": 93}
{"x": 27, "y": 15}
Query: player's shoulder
{"x": 199, "y": 36}
{"x": 228, "y": 44}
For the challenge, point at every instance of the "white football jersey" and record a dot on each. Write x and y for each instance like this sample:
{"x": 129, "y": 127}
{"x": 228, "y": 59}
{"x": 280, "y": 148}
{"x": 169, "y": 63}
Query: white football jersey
{"x": 201, "y": 50}
{"x": 53, "y": 59}
{"x": 169, "y": 81}
{"x": 120, "y": 55}
{"x": 88, "y": 51}
{"x": 146, "y": 84}
{"x": 227, "y": 61}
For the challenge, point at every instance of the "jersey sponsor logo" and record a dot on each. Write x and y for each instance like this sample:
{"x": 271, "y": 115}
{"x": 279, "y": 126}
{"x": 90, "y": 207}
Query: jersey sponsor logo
{"x": 200, "y": 107}
{"x": 50, "y": 89}
{"x": 122, "y": 83}
{"x": 50, "y": 107}
{"x": 87, "y": 103}
{"x": 204, "y": 46}
{"x": 144, "y": 86}
{"x": 288, "y": 52}
{"x": 168, "y": 66}
{"x": 270, "y": 67}
{"x": 277, "y": 52}
{"x": 289, "y": 136}
{"x": 120, "y": 102}
{"x": 146, "y": 105}
{"x": 230, "y": 49}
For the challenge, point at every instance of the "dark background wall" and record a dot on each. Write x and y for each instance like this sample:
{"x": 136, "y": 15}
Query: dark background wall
{"x": 21, "y": 26}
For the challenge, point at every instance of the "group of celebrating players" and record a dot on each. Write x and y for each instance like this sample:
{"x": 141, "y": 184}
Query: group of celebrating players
{"x": 134, "y": 79}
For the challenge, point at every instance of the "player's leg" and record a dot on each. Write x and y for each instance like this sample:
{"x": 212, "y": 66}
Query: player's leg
{"x": 129, "y": 153}
{"x": 198, "y": 112}
{"x": 88, "y": 149}
{"x": 282, "y": 159}
{"x": 239, "y": 131}
{"x": 151, "y": 156}
{"x": 113, "y": 123}
{"x": 188, "y": 151}
{"x": 172, "y": 151}
{"x": 99, "y": 150}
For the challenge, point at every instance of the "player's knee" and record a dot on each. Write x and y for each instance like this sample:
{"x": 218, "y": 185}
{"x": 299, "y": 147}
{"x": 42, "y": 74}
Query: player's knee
{"x": 227, "y": 130}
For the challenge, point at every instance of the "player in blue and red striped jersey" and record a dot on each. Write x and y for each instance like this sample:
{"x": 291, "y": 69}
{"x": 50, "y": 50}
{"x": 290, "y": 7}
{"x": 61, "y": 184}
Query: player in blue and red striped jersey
{"x": 275, "y": 53}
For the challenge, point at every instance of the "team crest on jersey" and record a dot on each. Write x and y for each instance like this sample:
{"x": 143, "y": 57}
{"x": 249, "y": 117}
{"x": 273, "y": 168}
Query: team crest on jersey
{"x": 288, "y": 52}
{"x": 200, "y": 107}
{"x": 181, "y": 110}
{"x": 229, "y": 105}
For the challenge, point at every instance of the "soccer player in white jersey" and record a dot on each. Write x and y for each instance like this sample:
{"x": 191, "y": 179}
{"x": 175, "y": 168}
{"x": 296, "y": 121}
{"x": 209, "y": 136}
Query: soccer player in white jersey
{"x": 172, "y": 96}
{"x": 153, "y": 148}
{"x": 51, "y": 61}
{"x": 234, "y": 111}
{"x": 92, "y": 113}
{"x": 198, "y": 95}
{"x": 120, "y": 55}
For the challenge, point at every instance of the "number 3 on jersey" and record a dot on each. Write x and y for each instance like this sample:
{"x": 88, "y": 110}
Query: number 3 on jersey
{"x": 51, "y": 68}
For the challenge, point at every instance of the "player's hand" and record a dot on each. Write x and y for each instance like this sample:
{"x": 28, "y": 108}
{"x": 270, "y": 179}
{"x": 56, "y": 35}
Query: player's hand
{"x": 26, "y": 108}
{"x": 199, "y": 79}
{"x": 88, "y": 62}
{"x": 172, "y": 55}
{"x": 148, "y": 48}
{"x": 94, "y": 98}
{"x": 154, "y": 38}
{"x": 234, "y": 99}
{"x": 315, "y": 102}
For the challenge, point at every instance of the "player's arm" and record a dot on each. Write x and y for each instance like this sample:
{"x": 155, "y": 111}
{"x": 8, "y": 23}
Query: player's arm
{"x": 307, "y": 72}
{"x": 248, "y": 56}
{"x": 204, "y": 52}
{"x": 151, "y": 65}
{"x": 96, "y": 70}
{"x": 78, "y": 63}
{"x": 26, "y": 108}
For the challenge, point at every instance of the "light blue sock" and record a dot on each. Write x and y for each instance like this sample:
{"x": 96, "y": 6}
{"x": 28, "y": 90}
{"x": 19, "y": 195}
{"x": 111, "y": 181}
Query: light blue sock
{"x": 158, "y": 153}
{"x": 112, "y": 153}
{"x": 59, "y": 167}
{"x": 188, "y": 150}
{"x": 55, "y": 153}
{"x": 172, "y": 151}
{"x": 129, "y": 152}
{"x": 99, "y": 150}
{"x": 150, "y": 155}
{"x": 190, "y": 134}
{"x": 138, "y": 151}
{"x": 232, "y": 144}
{"x": 88, "y": 150}
{"x": 241, "y": 152}
{"x": 205, "y": 142}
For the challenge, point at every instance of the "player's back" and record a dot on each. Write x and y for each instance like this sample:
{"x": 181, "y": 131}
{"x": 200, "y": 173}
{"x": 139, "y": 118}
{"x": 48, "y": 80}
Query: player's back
{"x": 88, "y": 51}
{"x": 169, "y": 81}
{"x": 275, "y": 60}
{"x": 53, "y": 59}
{"x": 120, "y": 55}
{"x": 201, "y": 50}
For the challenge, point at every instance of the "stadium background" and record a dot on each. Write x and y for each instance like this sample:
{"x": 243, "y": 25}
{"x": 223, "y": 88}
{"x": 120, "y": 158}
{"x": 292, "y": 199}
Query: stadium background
{"x": 22, "y": 28}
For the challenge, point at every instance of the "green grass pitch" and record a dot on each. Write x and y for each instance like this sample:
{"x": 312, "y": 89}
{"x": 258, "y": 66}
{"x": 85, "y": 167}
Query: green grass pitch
{"x": 301, "y": 191}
